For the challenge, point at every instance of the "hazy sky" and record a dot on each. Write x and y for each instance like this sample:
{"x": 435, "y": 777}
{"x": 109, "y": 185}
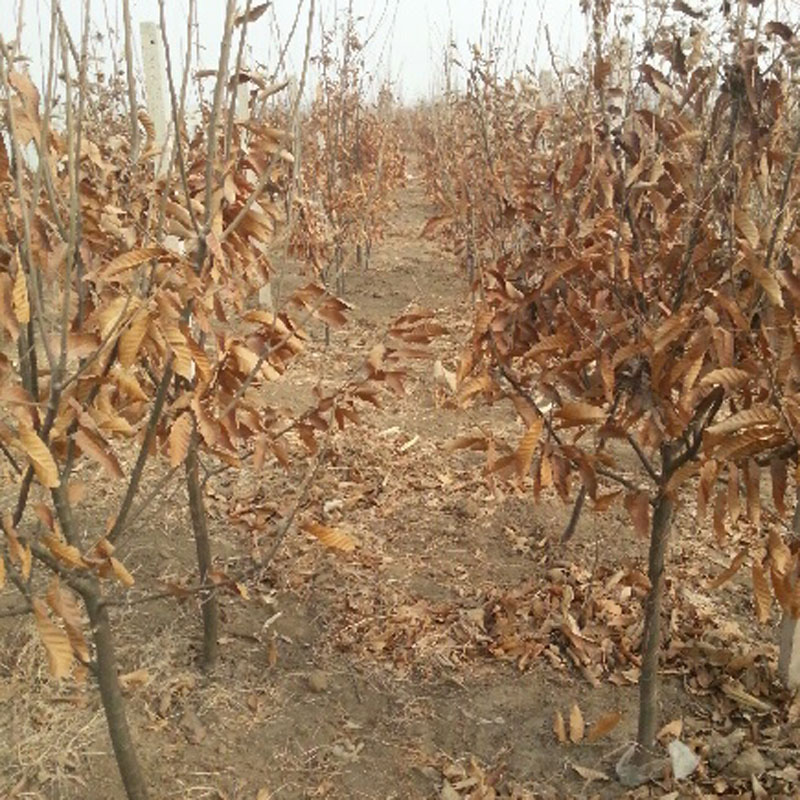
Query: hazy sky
{"x": 408, "y": 42}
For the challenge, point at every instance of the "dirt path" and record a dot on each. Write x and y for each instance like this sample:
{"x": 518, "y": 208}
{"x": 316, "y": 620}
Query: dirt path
{"x": 378, "y": 675}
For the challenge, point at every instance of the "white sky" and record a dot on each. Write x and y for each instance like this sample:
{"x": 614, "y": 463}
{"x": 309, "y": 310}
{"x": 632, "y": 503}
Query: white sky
{"x": 409, "y": 41}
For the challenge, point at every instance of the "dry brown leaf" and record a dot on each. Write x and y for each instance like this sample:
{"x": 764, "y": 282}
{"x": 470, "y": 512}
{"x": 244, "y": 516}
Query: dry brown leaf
{"x": 747, "y": 227}
{"x": 780, "y": 554}
{"x": 720, "y": 509}
{"x": 331, "y": 537}
{"x": 180, "y": 437}
{"x": 12, "y": 537}
{"x": 182, "y": 363}
{"x": 779, "y": 472}
{"x": 559, "y": 729}
{"x": 19, "y": 297}
{"x": 757, "y": 415}
{"x": 129, "y": 260}
{"x": 475, "y": 386}
{"x": 672, "y": 730}
{"x": 526, "y": 447}
{"x": 95, "y": 447}
{"x": 580, "y": 414}
{"x": 781, "y": 29}
{"x": 131, "y": 338}
{"x": 25, "y": 561}
{"x": 637, "y": 504}
{"x": 65, "y": 553}
{"x": 128, "y": 382}
{"x": 604, "y": 725}
{"x": 589, "y": 774}
{"x": 752, "y": 478}
{"x": 728, "y": 377}
{"x": 40, "y": 456}
{"x": 603, "y": 502}
{"x": 730, "y": 570}
{"x": 762, "y": 597}
{"x": 272, "y": 650}
{"x": 63, "y": 604}
{"x": 120, "y": 572}
{"x": 252, "y": 15}
{"x": 769, "y": 283}
{"x": 76, "y": 492}
{"x": 27, "y": 91}
{"x": 577, "y": 726}
{"x": 56, "y": 642}
{"x": 734, "y": 503}
{"x": 132, "y": 680}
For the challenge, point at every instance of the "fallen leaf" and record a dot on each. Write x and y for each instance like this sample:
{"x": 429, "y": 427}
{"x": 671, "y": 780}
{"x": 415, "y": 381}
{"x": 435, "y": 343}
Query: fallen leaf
{"x": 603, "y": 725}
{"x": 576, "y": 724}
{"x": 559, "y": 729}
{"x": 589, "y": 774}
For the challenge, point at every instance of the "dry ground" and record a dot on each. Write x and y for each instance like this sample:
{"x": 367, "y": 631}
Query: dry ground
{"x": 429, "y": 663}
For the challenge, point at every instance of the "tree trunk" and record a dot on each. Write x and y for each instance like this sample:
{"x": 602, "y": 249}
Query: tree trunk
{"x": 133, "y": 110}
{"x": 651, "y": 638}
{"x": 789, "y": 630}
{"x": 208, "y": 595}
{"x": 113, "y": 701}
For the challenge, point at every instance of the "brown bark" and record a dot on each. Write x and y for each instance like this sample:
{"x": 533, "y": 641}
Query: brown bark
{"x": 113, "y": 701}
{"x": 651, "y": 638}
{"x": 208, "y": 595}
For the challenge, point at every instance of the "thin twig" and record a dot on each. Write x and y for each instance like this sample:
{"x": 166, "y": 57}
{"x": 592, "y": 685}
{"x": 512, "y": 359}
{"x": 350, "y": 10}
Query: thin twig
{"x": 144, "y": 452}
{"x": 646, "y": 463}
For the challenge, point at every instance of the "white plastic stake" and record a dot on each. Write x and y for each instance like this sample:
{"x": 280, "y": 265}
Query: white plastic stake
{"x": 243, "y": 102}
{"x": 155, "y": 72}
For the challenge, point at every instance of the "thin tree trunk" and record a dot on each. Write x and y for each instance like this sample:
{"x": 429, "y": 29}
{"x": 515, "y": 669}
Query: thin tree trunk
{"x": 113, "y": 701}
{"x": 651, "y": 638}
{"x": 131, "y": 77}
{"x": 788, "y": 635}
{"x": 208, "y": 596}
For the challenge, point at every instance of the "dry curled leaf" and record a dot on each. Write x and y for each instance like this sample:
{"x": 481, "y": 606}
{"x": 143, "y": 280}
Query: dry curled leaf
{"x": 729, "y": 571}
{"x": 254, "y": 13}
{"x": 604, "y": 725}
{"x": 331, "y": 537}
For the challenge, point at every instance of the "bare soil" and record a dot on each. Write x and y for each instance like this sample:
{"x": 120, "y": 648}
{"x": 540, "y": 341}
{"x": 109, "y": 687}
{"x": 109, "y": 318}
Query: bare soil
{"x": 429, "y": 663}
